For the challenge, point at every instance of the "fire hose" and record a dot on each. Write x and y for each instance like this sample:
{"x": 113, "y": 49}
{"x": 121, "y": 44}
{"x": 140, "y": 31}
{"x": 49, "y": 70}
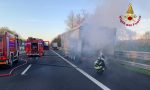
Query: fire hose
{"x": 13, "y": 69}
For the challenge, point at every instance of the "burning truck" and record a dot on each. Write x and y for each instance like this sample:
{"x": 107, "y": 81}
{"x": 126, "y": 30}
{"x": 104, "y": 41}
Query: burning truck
{"x": 88, "y": 41}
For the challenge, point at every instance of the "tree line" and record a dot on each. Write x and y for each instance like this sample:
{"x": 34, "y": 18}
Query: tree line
{"x": 6, "y": 29}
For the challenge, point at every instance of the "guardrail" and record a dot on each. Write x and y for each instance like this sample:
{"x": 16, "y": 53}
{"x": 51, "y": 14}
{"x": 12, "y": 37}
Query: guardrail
{"x": 137, "y": 59}
{"x": 133, "y": 54}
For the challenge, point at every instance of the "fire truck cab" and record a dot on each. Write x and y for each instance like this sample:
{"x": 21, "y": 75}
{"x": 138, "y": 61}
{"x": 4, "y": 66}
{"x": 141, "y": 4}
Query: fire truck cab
{"x": 9, "y": 48}
{"x": 34, "y": 47}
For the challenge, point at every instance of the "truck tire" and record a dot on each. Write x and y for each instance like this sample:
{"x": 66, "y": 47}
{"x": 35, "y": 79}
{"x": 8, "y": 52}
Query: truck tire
{"x": 10, "y": 61}
{"x": 40, "y": 54}
{"x": 17, "y": 59}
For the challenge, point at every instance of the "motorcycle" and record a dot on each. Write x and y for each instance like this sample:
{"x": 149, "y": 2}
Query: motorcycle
{"x": 99, "y": 65}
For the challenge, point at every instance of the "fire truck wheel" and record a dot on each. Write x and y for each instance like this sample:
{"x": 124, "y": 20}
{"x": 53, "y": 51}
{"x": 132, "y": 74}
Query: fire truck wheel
{"x": 41, "y": 54}
{"x": 17, "y": 59}
{"x": 10, "y": 62}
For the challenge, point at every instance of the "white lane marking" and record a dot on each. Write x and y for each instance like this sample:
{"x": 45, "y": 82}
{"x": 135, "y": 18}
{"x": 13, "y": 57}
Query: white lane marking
{"x": 26, "y": 70}
{"x": 84, "y": 73}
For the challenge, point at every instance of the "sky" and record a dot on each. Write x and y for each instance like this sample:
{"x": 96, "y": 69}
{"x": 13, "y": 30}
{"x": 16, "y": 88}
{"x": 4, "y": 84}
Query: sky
{"x": 46, "y": 18}
{"x": 40, "y": 18}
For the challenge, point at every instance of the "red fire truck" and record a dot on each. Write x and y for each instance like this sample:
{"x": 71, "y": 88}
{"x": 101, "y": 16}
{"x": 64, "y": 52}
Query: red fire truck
{"x": 34, "y": 47}
{"x": 9, "y": 48}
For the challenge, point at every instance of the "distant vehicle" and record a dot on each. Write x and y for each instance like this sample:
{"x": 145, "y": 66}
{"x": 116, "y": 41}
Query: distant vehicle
{"x": 9, "y": 48}
{"x": 34, "y": 47}
{"x": 55, "y": 46}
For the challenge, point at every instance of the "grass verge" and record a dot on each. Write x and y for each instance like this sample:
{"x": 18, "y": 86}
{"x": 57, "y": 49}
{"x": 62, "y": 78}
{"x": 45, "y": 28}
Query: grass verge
{"x": 136, "y": 69}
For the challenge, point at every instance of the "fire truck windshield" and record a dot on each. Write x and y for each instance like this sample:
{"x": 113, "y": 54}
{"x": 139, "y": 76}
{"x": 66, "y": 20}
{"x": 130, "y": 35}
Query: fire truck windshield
{"x": 46, "y": 43}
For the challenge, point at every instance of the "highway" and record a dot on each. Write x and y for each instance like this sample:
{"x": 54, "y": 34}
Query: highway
{"x": 54, "y": 72}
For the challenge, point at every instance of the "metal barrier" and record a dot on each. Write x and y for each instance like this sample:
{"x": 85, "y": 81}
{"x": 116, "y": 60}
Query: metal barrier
{"x": 137, "y": 59}
{"x": 133, "y": 54}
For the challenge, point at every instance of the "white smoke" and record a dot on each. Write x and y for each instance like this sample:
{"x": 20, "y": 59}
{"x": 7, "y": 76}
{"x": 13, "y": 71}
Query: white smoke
{"x": 100, "y": 29}
{"x": 98, "y": 32}
{"x": 108, "y": 12}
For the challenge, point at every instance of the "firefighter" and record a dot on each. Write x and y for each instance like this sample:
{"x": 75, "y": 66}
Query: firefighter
{"x": 99, "y": 64}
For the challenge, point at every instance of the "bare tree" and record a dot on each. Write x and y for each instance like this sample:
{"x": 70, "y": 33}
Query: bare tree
{"x": 81, "y": 18}
{"x": 78, "y": 19}
{"x": 71, "y": 21}
{"x": 84, "y": 16}
{"x": 75, "y": 20}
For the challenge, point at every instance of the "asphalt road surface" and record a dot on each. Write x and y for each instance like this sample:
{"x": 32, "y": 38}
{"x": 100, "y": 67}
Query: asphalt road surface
{"x": 53, "y": 72}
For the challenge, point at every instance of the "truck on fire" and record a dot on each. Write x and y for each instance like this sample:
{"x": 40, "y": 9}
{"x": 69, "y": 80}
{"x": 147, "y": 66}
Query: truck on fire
{"x": 34, "y": 47}
{"x": 9, "y": 48}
